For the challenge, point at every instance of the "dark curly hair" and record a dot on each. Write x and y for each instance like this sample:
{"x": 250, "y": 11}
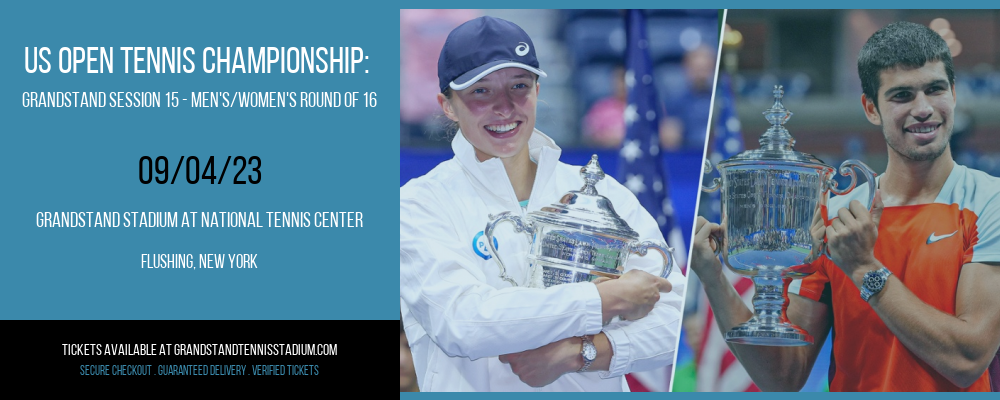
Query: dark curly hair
{"x": 900, "y": 44}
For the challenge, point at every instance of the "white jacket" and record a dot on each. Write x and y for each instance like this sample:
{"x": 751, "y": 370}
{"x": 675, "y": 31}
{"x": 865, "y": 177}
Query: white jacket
{"x": 459, "y": 315}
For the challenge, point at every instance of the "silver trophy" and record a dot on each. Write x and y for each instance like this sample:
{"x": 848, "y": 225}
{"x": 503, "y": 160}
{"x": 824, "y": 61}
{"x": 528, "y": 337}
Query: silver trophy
{"x": 578, "y": 239}
{"x": 773, "y": 200}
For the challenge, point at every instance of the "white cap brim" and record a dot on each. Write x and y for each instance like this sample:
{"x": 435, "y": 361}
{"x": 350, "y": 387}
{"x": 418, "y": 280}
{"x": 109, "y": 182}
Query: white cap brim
{"x": 473, "y": 76}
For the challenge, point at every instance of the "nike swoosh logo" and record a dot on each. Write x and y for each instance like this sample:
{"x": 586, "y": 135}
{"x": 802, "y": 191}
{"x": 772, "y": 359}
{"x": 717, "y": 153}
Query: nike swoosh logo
{"x": 933, "y": 238}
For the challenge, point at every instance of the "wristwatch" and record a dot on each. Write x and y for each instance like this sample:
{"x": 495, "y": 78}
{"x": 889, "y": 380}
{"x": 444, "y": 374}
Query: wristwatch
{"x": 589, "y": 353}
{"x": 873, "y": 282}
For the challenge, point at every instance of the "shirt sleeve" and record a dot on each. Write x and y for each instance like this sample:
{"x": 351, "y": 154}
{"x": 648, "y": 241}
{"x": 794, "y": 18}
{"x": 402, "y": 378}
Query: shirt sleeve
{"x": 447, "y": 294}
{"x": 986, "y": 234}
{"x": 812, "y": 286}
{"x": 650, "y": 342}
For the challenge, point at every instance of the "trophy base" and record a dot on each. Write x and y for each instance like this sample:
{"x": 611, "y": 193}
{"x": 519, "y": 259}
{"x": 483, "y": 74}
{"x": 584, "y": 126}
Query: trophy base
{"x": 782, "y": 334}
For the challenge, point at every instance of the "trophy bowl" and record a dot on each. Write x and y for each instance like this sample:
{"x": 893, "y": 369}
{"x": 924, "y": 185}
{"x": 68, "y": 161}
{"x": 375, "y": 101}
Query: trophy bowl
{"x": 774, "y": 209}
{"x": 579, "y": 239}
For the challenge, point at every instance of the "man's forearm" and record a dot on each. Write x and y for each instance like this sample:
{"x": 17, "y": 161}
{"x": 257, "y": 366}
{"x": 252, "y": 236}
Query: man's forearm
{"x": 788, "y": 367}
{"x": 955, "y": 347}
{"x": 727, "y": 306}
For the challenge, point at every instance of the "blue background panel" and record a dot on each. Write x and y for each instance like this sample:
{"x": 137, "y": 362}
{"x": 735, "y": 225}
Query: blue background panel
{"x": 86, "y": 159}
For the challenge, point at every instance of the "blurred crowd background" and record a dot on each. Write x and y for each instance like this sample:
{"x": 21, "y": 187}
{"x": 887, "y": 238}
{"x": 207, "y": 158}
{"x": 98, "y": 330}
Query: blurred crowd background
{"x": 813, "y": 54}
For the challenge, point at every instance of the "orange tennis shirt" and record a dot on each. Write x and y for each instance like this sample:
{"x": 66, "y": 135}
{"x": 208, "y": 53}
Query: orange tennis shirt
{"x": 925, "y": 246}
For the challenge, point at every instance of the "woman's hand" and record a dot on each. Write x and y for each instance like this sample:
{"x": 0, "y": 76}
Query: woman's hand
{"x": 632, "y": 296}
{"x": 541, "y": 366}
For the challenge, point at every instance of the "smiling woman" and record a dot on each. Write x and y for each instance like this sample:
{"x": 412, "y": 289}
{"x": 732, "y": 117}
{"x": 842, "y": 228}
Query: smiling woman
{"x": 492, "y": 112}
{"x": 468, "y": 328}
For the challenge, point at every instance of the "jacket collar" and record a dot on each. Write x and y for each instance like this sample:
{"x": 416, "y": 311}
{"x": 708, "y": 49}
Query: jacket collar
{"x": 490, "y": 173}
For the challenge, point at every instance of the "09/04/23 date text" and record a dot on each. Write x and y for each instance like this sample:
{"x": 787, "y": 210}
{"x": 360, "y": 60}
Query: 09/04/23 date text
{"x": 193, "y": 171}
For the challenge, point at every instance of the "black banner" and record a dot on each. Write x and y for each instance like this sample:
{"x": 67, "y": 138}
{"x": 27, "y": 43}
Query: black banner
{"x": 287, "y": 352}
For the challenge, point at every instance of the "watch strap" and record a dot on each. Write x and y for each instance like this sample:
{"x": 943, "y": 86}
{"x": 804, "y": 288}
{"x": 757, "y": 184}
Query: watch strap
{"x": 588, "y": 344}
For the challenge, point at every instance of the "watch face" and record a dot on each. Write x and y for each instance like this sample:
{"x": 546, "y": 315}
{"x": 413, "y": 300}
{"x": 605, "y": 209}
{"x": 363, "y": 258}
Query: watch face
{"x": 874, "y": 280}
{"x": 589, "y": 352}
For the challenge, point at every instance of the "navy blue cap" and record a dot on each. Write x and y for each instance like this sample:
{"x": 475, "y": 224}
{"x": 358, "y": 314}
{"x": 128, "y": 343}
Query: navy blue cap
{"x": 479, "y": 47}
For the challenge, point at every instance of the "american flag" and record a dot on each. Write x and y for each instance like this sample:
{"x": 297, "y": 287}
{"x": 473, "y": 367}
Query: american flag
{"x": 640, "y": 168}
{"x": 718, "y": 368}
{"x": 728, "y": 136}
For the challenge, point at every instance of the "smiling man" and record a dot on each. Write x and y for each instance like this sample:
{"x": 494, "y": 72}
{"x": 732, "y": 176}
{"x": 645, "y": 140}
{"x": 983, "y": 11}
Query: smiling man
{"x": 911, "y": 289}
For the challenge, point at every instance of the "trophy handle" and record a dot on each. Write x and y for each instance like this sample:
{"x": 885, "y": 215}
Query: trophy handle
{"x": 519, "y": 226}
{"x": 847, "y": 170}
{"x": 718, "y": 244}
{"x": 716, "y": 182}
{"x": 667, "y": 252}
{"x": 716, "y": 185}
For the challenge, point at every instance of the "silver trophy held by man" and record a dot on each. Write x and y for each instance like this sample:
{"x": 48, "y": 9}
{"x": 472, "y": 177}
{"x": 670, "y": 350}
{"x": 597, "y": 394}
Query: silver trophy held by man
{"x": 773, "y": 214}
{"x": 578, "y": 239}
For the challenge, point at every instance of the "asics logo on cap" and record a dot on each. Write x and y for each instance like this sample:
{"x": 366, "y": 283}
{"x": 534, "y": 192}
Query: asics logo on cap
{"x": 522, "y": 49}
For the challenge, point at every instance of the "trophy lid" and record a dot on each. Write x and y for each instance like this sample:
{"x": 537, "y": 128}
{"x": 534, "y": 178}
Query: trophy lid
{"x": 585, "y": 209}
{"x": 776, "y": 143}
